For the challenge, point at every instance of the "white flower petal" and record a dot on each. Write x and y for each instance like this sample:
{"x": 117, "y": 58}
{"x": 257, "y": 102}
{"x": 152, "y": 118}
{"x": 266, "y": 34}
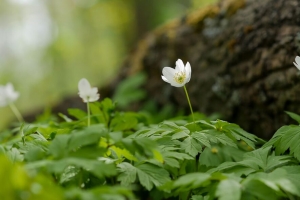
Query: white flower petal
{"x": 86, "y": 92}
{"x": 188, "y": 72}
{"x": 297, "y": 65}
{"x": 179, "y": 65}
{"x": 83, "y": 85}
{"x": 7, "y": 94}
{"x": 175, "y": 84}
{"x": 180, "y": 71}
{"x": 94, "y": 98}
{"x": 168, "y": 73}
{"x": 164, "y": 79}
{"x": 298, "y": 60}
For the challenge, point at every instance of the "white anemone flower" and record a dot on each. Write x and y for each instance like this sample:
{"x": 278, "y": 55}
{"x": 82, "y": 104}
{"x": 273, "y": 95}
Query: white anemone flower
{"x": 7, "y": 95}
{"x": 179, "y": 76}
{"x": 86, "y": 92}
{"x": 297, "y": 63}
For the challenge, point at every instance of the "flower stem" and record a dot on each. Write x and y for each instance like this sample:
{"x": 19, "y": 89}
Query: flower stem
{"x": 16, "y": 112}
{"x": 88, "y": 111}
{"x": 188, "y": 98}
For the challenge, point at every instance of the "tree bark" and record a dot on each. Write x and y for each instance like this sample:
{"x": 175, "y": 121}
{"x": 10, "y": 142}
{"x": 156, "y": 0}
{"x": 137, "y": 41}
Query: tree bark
{"x": 241, "y": 53}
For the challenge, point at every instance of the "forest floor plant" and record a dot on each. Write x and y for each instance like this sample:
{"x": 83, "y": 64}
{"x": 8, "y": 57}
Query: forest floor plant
{"x": 108, "y": 154}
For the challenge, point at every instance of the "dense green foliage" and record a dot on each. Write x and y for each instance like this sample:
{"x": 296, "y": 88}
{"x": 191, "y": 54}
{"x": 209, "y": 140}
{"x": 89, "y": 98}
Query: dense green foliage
{"x": 122, "y": 155}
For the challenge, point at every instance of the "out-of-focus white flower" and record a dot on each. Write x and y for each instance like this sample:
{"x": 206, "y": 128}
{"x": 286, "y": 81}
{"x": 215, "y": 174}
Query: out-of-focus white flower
{"x": 179, "y": 76}
{"x": 7, "y": 94}
{"x": 297, "y": 63}
{"x": 86, "y": 92}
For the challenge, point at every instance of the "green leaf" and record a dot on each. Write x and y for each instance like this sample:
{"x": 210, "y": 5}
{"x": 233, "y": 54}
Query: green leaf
{"x": 171, "y": 156}
{"x": 229, "y": 190}
{"x": 101, "y": 192}
{"x": 77, "y": 113}
{"x": 148, "y": 174}
{"x": 197, "y": 197}
{"x": 278, "y": 182}
{"x": 294, "y": 116}
{"x": 191, "y": 146}
{"x": 223, "y": 139}
{"x": 142, "y": 145}
{"x": 179, "y": 135}
{"x": 87, "y": 136}
{"x": 35, "y": 154}
{"x": 127, "y": 173}
{"x": 129, "y": 90}
{"x": 59, "y": 145}
{"x": 293, "y": 174}
{"x": 14, "y": 155}
{"x": 202, "y": 138}
{"x": 260, "y": 190}
{"x": 188, "y": 182}
{"x": 281, "y": 178}
{"x": 98, "y": 168}
{"x": 123, "y": 122}
{"x": 287, "y": 137}
{"x": 215, "y": 136}
{"x": 256, "y": 160}
{"x": 233, "y": 130}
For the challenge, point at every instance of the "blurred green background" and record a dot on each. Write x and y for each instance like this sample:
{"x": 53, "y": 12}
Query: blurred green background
{"x": 46, "y": 47}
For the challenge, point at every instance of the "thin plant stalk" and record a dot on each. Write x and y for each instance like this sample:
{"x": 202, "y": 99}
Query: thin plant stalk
{"x": 16, "y": 112}
{"x": 89, "y": 114}
{"x": 188, "y": 98}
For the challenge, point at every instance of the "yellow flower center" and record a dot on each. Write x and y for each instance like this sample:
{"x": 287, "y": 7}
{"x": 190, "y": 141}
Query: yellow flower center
{"x": 180, "y": 77}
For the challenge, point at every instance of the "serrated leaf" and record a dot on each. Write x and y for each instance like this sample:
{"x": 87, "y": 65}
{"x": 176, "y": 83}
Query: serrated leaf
{"x": 278, "y": 135}
{"x": 179, "y": 135}
{"x": 172, "y": 162}
{"x": 150, "y": 175}
{"x": 171, "y": 156}
{"x": 191, "y": 146}
{"x": 127, "y": 173}
{"x": 170, "y": 124}
{"x": 258, "y": 159}
{"x": 287, "y": 137}
{"x": 215, "y": 136}
{"x": 123, "y": 152}
{"x": 229, "y": 190}
{"x": 202, "y": 138}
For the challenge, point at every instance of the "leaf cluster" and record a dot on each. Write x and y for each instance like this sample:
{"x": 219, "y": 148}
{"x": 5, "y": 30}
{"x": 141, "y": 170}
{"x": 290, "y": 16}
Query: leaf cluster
{"x": 122, "y": 155}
